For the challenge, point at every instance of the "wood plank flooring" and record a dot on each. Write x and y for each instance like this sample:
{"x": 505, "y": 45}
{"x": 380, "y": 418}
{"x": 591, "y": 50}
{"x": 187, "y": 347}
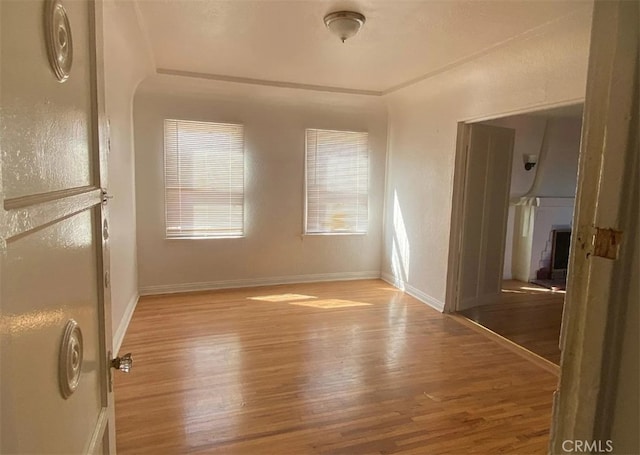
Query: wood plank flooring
{"x": 328, "y": 368}
{"x": 526, "y": 314}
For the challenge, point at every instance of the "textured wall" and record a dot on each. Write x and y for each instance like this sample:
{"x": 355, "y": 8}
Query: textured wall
{"x": 273, "y": 249}
{"x": 541, "y": 68}
{"x": 559, "y": 168}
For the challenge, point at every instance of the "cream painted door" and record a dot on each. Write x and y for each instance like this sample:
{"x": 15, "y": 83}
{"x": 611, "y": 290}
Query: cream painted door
{"x": 486, "y": 202}
{"x": 52, "y": 248}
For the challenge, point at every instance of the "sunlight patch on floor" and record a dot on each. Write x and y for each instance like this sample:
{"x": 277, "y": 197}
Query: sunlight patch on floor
{"x": 282, "y": 297}
{"x": 527, "y": 288}
{"x": 532, "y": 290}
{"x": 388, "y": 288}
{"x": 330, "y": 303}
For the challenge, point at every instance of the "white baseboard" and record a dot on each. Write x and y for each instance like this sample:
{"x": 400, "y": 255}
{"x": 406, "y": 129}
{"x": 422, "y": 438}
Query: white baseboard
{"x": 413, "y": 291}
{"x": 393, "y": 280}
{"x": 124, "y": 324}
{"x": 247, "y": 283}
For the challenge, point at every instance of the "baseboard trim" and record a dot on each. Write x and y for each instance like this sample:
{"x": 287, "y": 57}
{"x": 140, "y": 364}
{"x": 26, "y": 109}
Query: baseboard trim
{"x": 248, "y": 283}
{"x": 393, "y": 280}
{"x": 118, "y": 337}
{"x": 413, "y": 291}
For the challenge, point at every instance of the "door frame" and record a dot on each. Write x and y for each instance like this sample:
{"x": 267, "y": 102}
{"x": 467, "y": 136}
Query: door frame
{"x": 454, "y": 263}
{"x": 23, "y": 215}
{"x": 454, "y": 267}
{"x": 607, "y": 197}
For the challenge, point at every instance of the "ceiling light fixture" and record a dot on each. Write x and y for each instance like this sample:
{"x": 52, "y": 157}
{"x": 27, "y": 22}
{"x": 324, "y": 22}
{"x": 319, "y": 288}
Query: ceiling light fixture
{"x": 344, "y": 24}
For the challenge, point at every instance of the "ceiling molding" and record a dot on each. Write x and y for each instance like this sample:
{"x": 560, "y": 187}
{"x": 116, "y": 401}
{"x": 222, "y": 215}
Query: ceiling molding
{"x": 532, "y": 109}
{"x": 479, "y": 54}
{"x": 332, "y": 89}
{"x": 247, "y": 80}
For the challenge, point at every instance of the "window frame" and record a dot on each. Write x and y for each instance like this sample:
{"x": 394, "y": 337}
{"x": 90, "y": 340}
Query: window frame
{"x": 305, "y": 231}
{"x": 164, "y": 182}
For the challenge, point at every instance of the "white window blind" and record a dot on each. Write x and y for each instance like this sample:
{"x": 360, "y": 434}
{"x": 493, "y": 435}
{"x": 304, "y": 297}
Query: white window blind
{"x": 204, "y": 179}
{"x": 337, "y": 182}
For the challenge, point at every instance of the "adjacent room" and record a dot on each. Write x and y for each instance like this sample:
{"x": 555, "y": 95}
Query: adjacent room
{"x": 318, "y": 227}
{"x": 514, "y": 268}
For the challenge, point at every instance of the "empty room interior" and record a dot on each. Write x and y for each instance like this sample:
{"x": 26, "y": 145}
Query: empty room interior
{"x": 253, "y": 227}
{"x": 526, "y": 220}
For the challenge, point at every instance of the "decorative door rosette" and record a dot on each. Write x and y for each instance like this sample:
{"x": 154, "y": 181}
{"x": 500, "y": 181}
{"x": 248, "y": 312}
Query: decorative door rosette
{"x": 58, "y": 37}
{"x": 70, "y": 362}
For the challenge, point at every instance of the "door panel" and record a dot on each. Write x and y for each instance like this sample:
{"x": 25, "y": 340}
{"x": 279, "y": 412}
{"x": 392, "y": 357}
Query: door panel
{"x": 40, "y": 293}
{"x": 485, "y": 210}
{"x": 473, "y": 215}
{"x": 46, "y": 125}
{"x": 52, "y": 252}
{"x": 497, "y": 211}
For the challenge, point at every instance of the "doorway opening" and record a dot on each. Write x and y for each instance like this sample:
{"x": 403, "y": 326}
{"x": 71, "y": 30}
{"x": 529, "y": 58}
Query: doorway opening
{"x": 516, "y": 180}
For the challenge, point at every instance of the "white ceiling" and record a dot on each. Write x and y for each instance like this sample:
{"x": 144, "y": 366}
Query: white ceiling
{"x": 287, "y": 42}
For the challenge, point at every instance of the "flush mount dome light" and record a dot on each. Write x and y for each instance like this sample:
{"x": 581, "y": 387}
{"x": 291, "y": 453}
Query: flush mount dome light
{"x": 344, "y": 24}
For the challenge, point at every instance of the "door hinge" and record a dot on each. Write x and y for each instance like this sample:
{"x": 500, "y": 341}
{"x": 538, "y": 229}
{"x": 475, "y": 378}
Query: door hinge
{"x": 605, "y": 243}
{"x": 105, "y": 196}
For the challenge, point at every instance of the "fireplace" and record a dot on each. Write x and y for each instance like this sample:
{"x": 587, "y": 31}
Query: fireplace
{"x": 560, "y": 254}
{"x": 553, "y": 274}
{"x": 541, "y": 236}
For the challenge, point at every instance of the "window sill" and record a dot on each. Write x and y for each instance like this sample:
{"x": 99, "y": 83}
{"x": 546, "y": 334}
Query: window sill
{"x": 334, "y": 234}
{"x": 206, "y": 237}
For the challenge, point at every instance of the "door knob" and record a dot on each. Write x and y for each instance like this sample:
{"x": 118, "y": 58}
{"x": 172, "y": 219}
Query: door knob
{"x": 123, "y": 363}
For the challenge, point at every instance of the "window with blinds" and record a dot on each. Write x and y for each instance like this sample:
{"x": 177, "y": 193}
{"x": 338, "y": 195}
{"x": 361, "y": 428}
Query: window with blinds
{"x": 204, "y": 179}
{"x": 337, "y": 182}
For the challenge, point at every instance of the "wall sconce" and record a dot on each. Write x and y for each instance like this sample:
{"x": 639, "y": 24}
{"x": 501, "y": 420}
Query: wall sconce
{"x": 529, "y": 161}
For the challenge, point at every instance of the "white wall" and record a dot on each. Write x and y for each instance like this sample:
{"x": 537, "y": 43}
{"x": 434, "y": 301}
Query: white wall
{"x": 542, "y": 68}
{"x": 273, "y": 249}
{"x": 126, "y": 63}
{"x": 557, "y": 173}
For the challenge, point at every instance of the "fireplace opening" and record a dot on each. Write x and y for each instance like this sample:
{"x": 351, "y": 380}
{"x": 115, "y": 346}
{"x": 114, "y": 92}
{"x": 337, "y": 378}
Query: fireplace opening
{"x": 555, "y": 275}
{"x": 560, "y": 254}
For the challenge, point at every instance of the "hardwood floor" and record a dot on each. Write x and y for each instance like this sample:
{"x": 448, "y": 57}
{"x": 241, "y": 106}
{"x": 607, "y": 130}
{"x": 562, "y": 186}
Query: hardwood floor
{"x": 333, "y": 368}
{"x": 526, "y": 314}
